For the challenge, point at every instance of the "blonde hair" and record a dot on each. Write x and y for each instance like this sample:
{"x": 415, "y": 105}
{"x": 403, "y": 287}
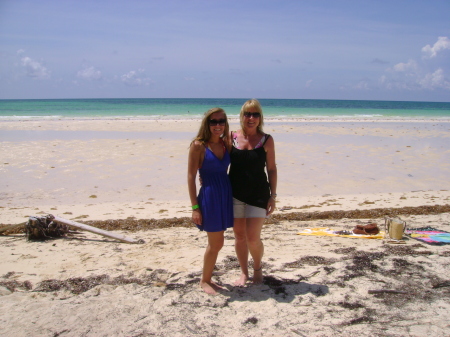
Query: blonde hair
{"x": 252, "y": 104}
{"x": 204, "y": 133}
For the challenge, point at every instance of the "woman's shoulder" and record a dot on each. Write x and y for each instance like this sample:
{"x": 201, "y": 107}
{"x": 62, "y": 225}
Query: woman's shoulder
{"x": 197, "y": 145}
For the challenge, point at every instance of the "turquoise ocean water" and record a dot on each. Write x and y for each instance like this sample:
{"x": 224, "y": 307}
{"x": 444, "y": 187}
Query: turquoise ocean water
{"x": 181, "y": 108}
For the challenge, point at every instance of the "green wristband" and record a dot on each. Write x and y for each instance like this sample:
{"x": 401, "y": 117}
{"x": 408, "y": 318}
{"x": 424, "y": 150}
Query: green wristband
{"x": 195, "y": 207}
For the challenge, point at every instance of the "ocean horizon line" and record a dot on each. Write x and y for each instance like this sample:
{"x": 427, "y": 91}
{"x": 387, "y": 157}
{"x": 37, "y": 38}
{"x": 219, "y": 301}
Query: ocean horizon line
{"x": 218, "y": 98}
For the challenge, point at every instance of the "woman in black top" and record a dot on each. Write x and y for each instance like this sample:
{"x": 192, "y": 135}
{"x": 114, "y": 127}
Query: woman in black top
{"x": 254, "y": 192}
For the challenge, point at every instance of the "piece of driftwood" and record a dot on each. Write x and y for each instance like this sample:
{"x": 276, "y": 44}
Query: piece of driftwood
{"x": 10, "y": 227}
{"x": 95, "y": 230}
{"x": 386, "y": 291}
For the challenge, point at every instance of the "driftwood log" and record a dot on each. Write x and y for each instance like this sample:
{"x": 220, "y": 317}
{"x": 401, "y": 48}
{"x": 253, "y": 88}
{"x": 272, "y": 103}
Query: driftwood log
{"x": 95, "y": 230}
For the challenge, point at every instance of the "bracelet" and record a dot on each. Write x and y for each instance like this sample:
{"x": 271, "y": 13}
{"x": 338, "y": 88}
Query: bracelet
{"x": 274, "y": 196}
{"x": 195, "y": 207}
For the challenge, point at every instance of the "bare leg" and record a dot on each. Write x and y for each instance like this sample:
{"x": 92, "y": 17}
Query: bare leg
{"x": 215, "y": 244}
{"x": 255, "y": 246}
{"x": 241, "y": 248}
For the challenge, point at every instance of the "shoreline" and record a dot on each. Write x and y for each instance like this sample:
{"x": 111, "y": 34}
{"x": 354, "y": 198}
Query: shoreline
{"x": 232, "y": 118}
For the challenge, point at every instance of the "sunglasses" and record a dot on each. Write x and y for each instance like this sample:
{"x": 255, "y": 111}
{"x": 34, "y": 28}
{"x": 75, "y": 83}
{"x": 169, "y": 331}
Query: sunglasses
{"x": 252, "y": 114}
{"x": 214, "y": 122}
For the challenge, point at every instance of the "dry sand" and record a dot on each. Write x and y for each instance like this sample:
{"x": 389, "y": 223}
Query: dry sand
{"x": 86, "y": 285}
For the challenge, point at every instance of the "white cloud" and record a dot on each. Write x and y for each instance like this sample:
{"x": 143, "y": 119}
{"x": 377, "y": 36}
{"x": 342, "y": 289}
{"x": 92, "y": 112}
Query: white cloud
{"x": 135, "y": 78}
{"x": 35, "y": 69}
{"x": 416, "y": 81}
{"x": 434, "y": 80}
{"x": 410, "y": 66}
{"x": 308, "y": 83}
{"x": 362, "y": 85}
{"x": 414, "y": 75}
{"x": 442, "y": 43}
{"x": 90, "y": 73}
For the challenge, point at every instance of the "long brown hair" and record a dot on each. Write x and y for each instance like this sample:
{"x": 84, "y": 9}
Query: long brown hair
{"x": 252, "y": 103}
{"x": 204, "y": 133}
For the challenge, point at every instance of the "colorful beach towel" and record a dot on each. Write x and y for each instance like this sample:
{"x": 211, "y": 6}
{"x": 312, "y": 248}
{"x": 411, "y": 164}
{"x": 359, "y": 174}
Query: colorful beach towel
{"x": 324, "y": 231}
{"x": 429, "y": 235}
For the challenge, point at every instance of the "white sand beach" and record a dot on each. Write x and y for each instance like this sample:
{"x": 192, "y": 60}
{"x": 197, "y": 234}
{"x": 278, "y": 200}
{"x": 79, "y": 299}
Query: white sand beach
{"x": 98, "y": 170}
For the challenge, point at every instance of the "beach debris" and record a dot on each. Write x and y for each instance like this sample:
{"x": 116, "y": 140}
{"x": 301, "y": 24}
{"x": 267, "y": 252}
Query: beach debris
{"x": 12, "y": 285}
{"x": 50, "y": 226}
{"x": 95, "y": 230}
{"x": 12, "y": 228}
{"x": 43, "y": 228}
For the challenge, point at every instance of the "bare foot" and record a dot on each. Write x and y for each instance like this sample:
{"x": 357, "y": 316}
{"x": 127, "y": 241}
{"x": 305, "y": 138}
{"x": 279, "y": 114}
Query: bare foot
{"x": 211, "y": 288}
{"x": 208, "y": 287}
{"x": 258, "y": 276}
{"x": 241, "y": 281}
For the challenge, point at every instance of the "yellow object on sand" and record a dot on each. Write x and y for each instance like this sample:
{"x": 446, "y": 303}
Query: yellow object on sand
{"x": 324, "y": 231}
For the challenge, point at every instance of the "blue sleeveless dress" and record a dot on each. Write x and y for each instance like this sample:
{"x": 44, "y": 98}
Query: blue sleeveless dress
{"x": 215, "y": 197}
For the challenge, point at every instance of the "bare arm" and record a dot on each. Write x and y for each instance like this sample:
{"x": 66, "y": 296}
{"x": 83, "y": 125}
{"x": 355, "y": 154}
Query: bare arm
{"x": 195, "y": 159}
{"x": 272, "y": 174}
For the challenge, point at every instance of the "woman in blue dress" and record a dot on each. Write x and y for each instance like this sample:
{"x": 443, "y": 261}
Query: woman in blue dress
{"x": 212, "y": 208}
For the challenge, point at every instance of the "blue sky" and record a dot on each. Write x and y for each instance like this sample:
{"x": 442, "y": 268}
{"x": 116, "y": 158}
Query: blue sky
{"x": 381, "y": 50}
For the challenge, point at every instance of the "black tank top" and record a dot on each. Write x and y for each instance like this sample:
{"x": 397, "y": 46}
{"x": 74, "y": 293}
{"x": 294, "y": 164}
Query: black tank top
{"x": 248, "y": 176}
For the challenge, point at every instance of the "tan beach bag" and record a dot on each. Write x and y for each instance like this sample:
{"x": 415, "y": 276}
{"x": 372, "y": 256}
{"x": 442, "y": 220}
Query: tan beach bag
{"x": 394, "y": 228}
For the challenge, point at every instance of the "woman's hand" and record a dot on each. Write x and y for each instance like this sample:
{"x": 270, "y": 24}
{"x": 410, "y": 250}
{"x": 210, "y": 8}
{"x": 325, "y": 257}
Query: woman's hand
{"x": 197, "y": 216}
{"x": 270, "y": 206}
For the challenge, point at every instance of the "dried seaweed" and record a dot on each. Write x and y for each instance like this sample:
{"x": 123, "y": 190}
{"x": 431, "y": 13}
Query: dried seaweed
{"x": 12, "y": 285}
{"x": 351, "y": 306}
{"x": 362, "y": 214}
{"x": 133, "y": 225}
{"x": 359, "y": 320}
{"x": 230, "y": 263}
{"x": 252, "y": 320}
{"x": 346, "y": 250}
{"x": 78, "y": 285}
{"x": 310, "y": 261}
{"x": 406, "y": 250}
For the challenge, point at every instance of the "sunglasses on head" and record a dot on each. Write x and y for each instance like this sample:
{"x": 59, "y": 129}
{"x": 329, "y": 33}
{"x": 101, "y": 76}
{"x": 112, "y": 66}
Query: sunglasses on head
{"x": 252, "y": 114}
{"x": 214, "y": 122}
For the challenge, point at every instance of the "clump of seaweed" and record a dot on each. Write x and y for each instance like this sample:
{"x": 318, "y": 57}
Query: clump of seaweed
{"x": 310, "y": 261}
{"x": 12, "y": 285}
{"x": 252, "y": 320}
{"x": 230, "y": 263}
{"x": 351, "y": 306}
{"x": 407, "y": 250}
{"x": 362, "y": 263}
{"x": 78, "y": 285}
{"x": 346, "y": 250}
